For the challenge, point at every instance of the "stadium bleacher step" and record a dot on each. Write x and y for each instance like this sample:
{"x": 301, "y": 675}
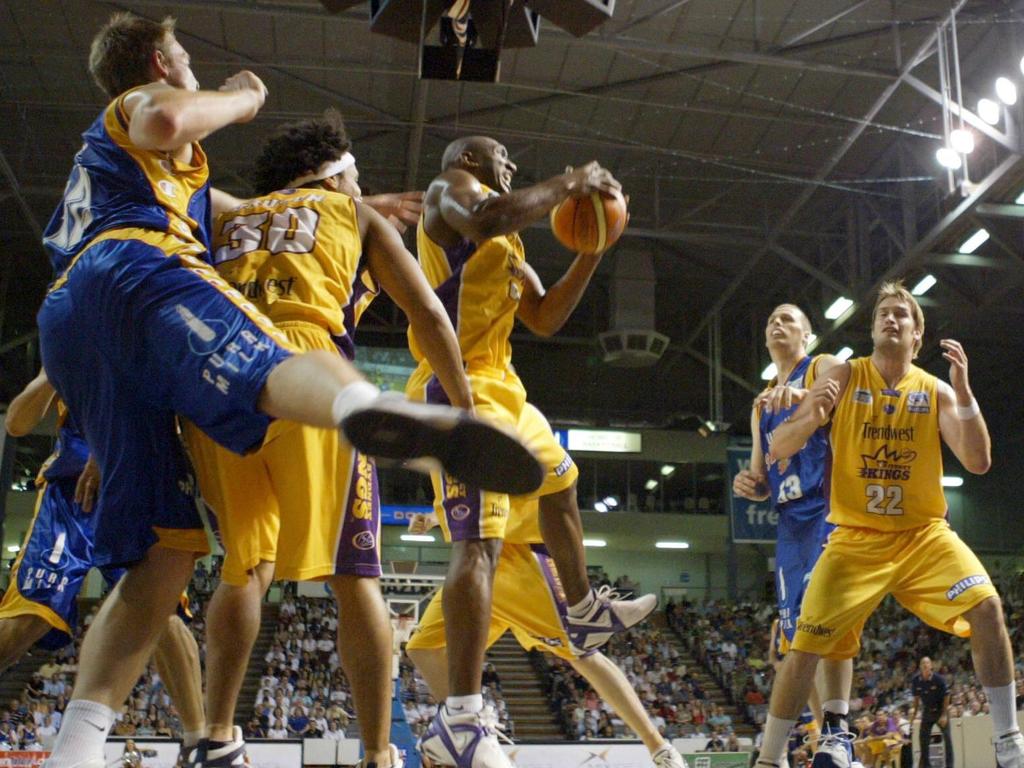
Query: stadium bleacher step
{"x": 528, "y": 707}
{"x": 253, "y": 673}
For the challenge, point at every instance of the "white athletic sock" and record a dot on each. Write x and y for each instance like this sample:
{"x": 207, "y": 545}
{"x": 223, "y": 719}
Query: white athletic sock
{"x": 580, "y": 609}
{"x": 353, "y": 397}
{"x": 83, "y": 731}
{"x": 1002, "y": 704}
{"x": 838, "y": 706}
{"x": 459, "y": 705}
{"x": 776, "y": 737}
{"x": 191, "y": 738}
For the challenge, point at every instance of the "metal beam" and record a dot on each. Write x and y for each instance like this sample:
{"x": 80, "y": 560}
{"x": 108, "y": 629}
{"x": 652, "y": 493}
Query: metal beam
{"x": 1006, "y": 141}
{"x": 970, "y": 260}
{"x": 810, "y": 269}
{"x": 923, "y": 249}
{"x": 1000, "y": 211}
{"x": 26, "y": 209}
{"x": 801, "y": 200}
{"x": 821, "y": 25}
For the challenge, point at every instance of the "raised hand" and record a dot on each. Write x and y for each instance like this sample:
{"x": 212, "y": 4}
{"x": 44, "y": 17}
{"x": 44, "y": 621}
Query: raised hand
{"x": 749, "y": 485}
{"x": 247, "y": 81}
{"x": 402, "y": 209}
{"x": 591, "y": 178}
{"x": 954, "y": 354}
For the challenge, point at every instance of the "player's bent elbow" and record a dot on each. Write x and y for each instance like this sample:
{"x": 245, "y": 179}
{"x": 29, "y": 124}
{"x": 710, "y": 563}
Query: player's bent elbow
{"x": 980, "y": 465}
{"x": 157, "y": 127}
{"x": 15, "y": 426}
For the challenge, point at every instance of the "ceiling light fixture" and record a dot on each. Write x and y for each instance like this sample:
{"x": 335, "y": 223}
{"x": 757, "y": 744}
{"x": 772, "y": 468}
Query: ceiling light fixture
{"x": 837, "y": 308}
{"x": 974, "y": 242}
{"x": 949, "y": 158}
{"x": 924, "y": 285}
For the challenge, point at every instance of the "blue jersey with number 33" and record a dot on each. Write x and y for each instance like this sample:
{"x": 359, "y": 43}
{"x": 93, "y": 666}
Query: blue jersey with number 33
{"x": 114, "y": 185}
{"x": 797, "y": 483}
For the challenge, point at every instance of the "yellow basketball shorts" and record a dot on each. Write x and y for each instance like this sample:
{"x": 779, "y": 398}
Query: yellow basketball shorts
{"x": 929, "y": 570}
{"x": 468, "y": 513}
{"x": 528, "y": 599}
{"x": 306, "y": 500}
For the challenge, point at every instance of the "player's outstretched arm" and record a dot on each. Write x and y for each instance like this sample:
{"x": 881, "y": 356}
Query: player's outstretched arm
{"x": 30, "y": 406}
{"x": 752, "y": 483}
{"x": 814, "y": 411}
{"x": 960, "y": 420}
{"x": 466, "y": 208}
{"x": 544, "y": 311}
{"x": 166, "y": 118}
{"x": 402, "y": 279}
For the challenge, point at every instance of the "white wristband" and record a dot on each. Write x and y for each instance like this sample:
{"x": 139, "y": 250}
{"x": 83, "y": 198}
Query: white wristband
{"x": 968, "y": 412}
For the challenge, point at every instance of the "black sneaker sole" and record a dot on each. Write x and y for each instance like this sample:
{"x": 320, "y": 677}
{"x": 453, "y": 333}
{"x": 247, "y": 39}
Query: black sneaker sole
{"x": 478, "y": 454}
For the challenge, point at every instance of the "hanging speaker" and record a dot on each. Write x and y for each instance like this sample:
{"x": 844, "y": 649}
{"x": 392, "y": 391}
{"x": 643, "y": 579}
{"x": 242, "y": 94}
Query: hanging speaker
{"x": 577, "y": 17}
{"x": 521, "y": 32}
{"x": 401, "y": 18}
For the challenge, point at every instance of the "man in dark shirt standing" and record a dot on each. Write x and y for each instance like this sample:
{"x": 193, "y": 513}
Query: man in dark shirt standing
{"x": 931, "y": 700}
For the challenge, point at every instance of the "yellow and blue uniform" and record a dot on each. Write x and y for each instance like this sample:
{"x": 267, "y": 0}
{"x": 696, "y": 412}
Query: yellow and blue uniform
{"x": 306, "y": 500}
{"x": 892, "y": 535}
{"x": 527, "y": 598}
{"x": 798, "y": 495}
{"x": 57, "y": 553}
{"x": 480, "y": 285}
{"x": 138, "y": 328}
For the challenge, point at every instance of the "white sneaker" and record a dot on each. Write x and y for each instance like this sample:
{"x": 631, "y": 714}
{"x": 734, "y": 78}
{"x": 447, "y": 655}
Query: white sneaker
{"x": 834, "y": 751}
{"x": 229, "y": 754}
{"x": 1010, "y": 750}
{"x": 668, "y": 757}
{"x": 465, "y": 740}
{"x": 396, "y": 759}
{"x": 477, "y": 453}
{"x": 606, "y": 616}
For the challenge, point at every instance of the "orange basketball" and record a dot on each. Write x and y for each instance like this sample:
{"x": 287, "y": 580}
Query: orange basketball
{"x": 589, "y": 224}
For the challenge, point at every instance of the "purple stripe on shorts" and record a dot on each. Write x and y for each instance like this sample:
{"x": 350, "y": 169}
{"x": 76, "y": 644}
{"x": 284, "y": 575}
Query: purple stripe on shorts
{"x": 359, "y": 545}
{"x": 462, "y": 509}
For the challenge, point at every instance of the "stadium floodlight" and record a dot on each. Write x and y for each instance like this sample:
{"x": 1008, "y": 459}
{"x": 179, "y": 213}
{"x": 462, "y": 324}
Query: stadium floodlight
{"x": 924, "y": 285}
{"x": 651, "y": 484}
{"x": 844, "y": 354}
{"x": 672, "y": 545}
{"x": 812, "y": 342}
{"x": 949, "y": 158}
{"x": 14, "y": 548}
{"x": 989, "y": 111}
{"x": 1006, "y": 91}
{"x": 1020, "y": 199}
{"x": 611, "y": 502}
{"x": 422, "y": 538}
{"x": 600, "y": 506}
{"x": 770, "y": 372}
{"x": 952, "y": 481}
{"x": 962, "y": 141}
{"x": 974, "y": 242}
{"x": 595, "y": 543}
{"x": 667, "y": 470}
{"x": 837, "y": 308}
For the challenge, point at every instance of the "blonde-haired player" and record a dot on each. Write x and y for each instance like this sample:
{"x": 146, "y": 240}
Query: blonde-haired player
{"x": 889, "y": 418}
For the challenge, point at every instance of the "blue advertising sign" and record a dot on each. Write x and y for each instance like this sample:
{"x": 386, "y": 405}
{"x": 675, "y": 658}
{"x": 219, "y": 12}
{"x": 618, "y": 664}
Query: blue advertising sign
{"x": 753, "y": 522}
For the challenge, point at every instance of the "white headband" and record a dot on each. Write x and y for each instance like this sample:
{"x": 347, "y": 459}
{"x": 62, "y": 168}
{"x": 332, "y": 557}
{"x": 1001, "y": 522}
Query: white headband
{"x": 325, "y": 171}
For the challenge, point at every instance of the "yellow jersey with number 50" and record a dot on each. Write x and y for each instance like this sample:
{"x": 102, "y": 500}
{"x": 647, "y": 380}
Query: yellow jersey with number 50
{"x": 886, "y": 452}
{"x": 296, "y": 254}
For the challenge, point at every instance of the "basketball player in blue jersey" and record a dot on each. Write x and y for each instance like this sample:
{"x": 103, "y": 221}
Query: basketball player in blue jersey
{"x": 139, "y": 329}
{"x": 796, "y": 489}
{"x": 40, "y": 605}
{"x": 470, "y": 250}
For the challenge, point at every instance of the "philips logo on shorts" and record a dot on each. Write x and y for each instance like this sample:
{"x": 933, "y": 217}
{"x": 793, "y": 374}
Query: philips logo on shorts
{"x": 460, "y": 512}
{"x": 964, "y": 584}
{"x": 863, "y": 396}
{"x": 364, "y": 540}
{"x": 917, "y": 402}
{"x": 564, "y": 467}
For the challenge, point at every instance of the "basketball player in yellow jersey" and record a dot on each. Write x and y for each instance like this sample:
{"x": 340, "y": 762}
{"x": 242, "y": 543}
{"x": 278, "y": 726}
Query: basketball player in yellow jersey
{"x": 306, "y": 506}
{"x": 892, "y": 537}
{"x": 471, "y": 254}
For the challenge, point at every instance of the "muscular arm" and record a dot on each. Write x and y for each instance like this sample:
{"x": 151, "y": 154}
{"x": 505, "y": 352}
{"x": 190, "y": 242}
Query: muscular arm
{"x": 968, "y": 439}
{"x": 166, "y": 118}
{"x": 401, "y": 277}
{"x": 814, "y": 410}
{"x": 221, "y": 201}
{"x": 752, "y": 483}
{"x": 545, "y": 311}
{"x": 464, "y": 207}
{"x": 29, "y": 407}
